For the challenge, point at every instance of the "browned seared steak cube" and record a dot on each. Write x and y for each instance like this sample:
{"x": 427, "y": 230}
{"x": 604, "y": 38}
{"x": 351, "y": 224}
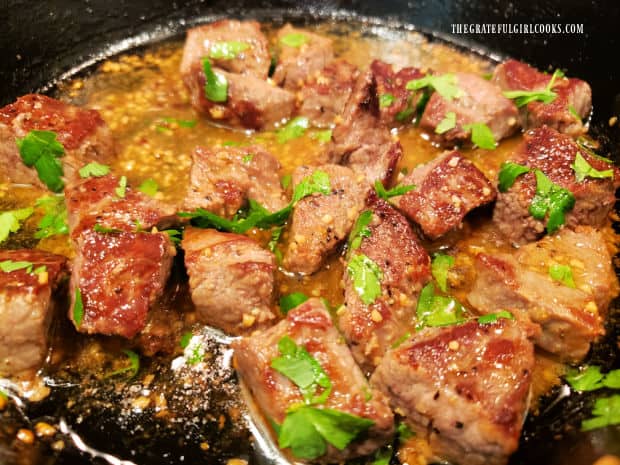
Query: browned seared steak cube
{"x": 325, "y": 92}
{"x": 554, "y": 154}
{"x": 27, "y": 307}
{"x": 561, "y": 283}
{"x": 234, "y": 46}
{"x": 116, "y": 278}
{"x": 83, "y": 134}
{"x": 223, "y": 178}
{"x": 251, "y": 102}
{"x": 396, "y": 103}
{"x": 480, "y": 101}
{"x": 361, "y": 141}
{"x": 388, "y": 240}
{"x": 302, "y": 53}
{"x": 572, "y": 103}
{"x": 95, "y": 200}
{"x": 309, "y": 326}
{"x": 230, "y": 278}
{"x": 320, "y": 223}
{"x": 463, "y": 388}
{"x": 447, "y": 188}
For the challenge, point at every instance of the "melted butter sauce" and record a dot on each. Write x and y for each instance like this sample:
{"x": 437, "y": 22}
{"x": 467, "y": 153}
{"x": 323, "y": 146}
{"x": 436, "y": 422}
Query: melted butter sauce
{"x": 141, "y": 96}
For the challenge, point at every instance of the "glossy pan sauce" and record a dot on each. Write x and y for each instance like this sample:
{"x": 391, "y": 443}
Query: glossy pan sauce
{"x": 172, "y": 412}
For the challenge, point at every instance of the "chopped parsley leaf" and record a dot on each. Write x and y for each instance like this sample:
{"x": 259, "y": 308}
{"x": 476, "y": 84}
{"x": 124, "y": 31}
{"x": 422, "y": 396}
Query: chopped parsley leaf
{"x": 322, "y": 136}
{"x": 493, "y": 317}
{"x": 606, "y": 412}
{"x": 439, "y": 268}
{"x": 366, "y": 276}
{"x": 216, "y": 85}
{"x": 437, "y": 310}
{"x": 386, "y": 100}
{"x": 78, "y": 308}
{"x": 546, "y": 95}
{"x": 360, "y": 229}
{"x": 290, "y": 301}
{"x": 41, "y": 150}
{"x": 149, "y": 187}
{"x": 121, "y": 189}
{"x": 54, "y": 221}
{"x": 449, "y": 122}
{"x": 393, "y": 192}
{"x": 10, "y": 221}
{"x": 508, "y": 174}
{"x": 481, "y": 135}
{"x": 444, "y": 84}
{"x": 583, "y": 170}
{"x": 228, "y": 50}
{"x": 294, "y": 39}
{"x": 132, "y": 368}
{"x": 563, "y": 274}
{"x": 94, "y": 169}
{"x": 294, "y": 129}
{"x": 550, "y": 198}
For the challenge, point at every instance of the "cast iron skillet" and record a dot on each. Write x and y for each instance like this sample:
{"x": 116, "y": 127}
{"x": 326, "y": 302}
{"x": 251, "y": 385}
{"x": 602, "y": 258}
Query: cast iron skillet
{"x": 47, "y": 41}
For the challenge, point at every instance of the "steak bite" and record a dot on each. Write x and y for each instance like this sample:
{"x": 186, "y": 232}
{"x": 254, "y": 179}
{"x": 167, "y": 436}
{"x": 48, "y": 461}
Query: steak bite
{"x": 120, "y": 268}
{"x": 462, "y": 388}
{"x": 320, "y": 223}
{"x": 396, "y": 103}
{"x": 223, "y": 178}
{"x": 27, "y": 306}
{"x": 569, "y": 313}
{"x": 447, "y": 188}
{"x": 371, "y": 329}
{"x": 95, "y": 200}
{"x": 565, "y": 113}
{"x": 116, "y": 278}
{"x": 83, "y": 134}
{"x": 231, "y": 45}
{"x": 309, "y": 326}
{"x": 361, "y": 141}
{"x": 302, "y": 53}
{"x": 325, "y": 93}
{"x": 480, "y": 101}
{"x": 251, "y": 103}
{"x": 231, "y": 280}
{"x": 554, "y": 154}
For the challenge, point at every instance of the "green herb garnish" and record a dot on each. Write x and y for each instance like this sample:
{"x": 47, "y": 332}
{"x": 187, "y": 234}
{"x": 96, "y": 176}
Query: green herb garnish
{"x": 54, "y": 221}
{"x": 523, "y": 97}
{"x": 247, "y": 158}
{"x": 481, "y": 135}
{"x": 563, "y": 274}
{"x": 550, "y": 198}
{"x": 366, "y": 276}
{"x": 583, "y": 170}
{"x": 183, "y": 123}
{"x": 216, "y": 85}
{"x": 606, "y": 412}
{"x": 185, "y": 338}
{"x": 307, "y": 430}
{"x": 295, "y": 128}
{"x": 393, "y": 192}
{"x": 10, "y": 221}
{"x": 322, "y": 136}
{"x": 443, "y": 84}
{"x": 591, "y": 379}
{"x": 149, "y": 187}
{"x": 437, "y": 310}
{"x": 8, "y": 266}
{"x": 572, "y": 111}
{"x": 290, "y": 301}
{"x": 285, "y": 181}
{"x": 174, "y": 235}
{"x": 294, "y": 39}
{"x": 404, "y": 432}
{"x": 304, "y": 370}
{"x": 132, "y": 368}
{"x": 105, "y": 230}
{"x": 386, "y": 100}
{"x": 41, "y": 150}
{"x": 493, "y": 317}
{"x": 449, "y": 122}
{"x": 94, "y": 169}
{"x": 508, "y": 174}
{"x": 121, "y": 189}
{"x": 228, "y": 50}
{"x": 360, "y": 229}
{"x": 440, "y": 266}
{"x": 78, "y": 308}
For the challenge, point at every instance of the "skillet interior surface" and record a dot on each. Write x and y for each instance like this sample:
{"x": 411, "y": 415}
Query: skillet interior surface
{"x": 551, "y": 437}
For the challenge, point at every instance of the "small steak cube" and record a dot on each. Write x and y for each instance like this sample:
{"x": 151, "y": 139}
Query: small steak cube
{"x": 569, "y": 318}
{"x": 27, "y": 307}
{"x": 83, "y": 134}
{"x": 95, "y": 200}
{"x": 361, "y": 141}
{"x": 252, "y": 103}
{"x": 234, "y": 46}
{"x": 223, "y": 178}
{"x": 309, "y": 325}
{"x": 463, "y": 388}
{"x": 554, "y": 154}
{"x": 371, "y": 329}
{"x": 325, "y": 92}
{"x": 480, "y": 101}
{"x": 398, "y": 103}
{"x": 118, "y": 276}
{"x": 447, "y": 188}
{"x": 231, "y": 280}
{"x": 572, "y": 104}
{"x": 320, "y": 223}
{"x": 298, "y": 61}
